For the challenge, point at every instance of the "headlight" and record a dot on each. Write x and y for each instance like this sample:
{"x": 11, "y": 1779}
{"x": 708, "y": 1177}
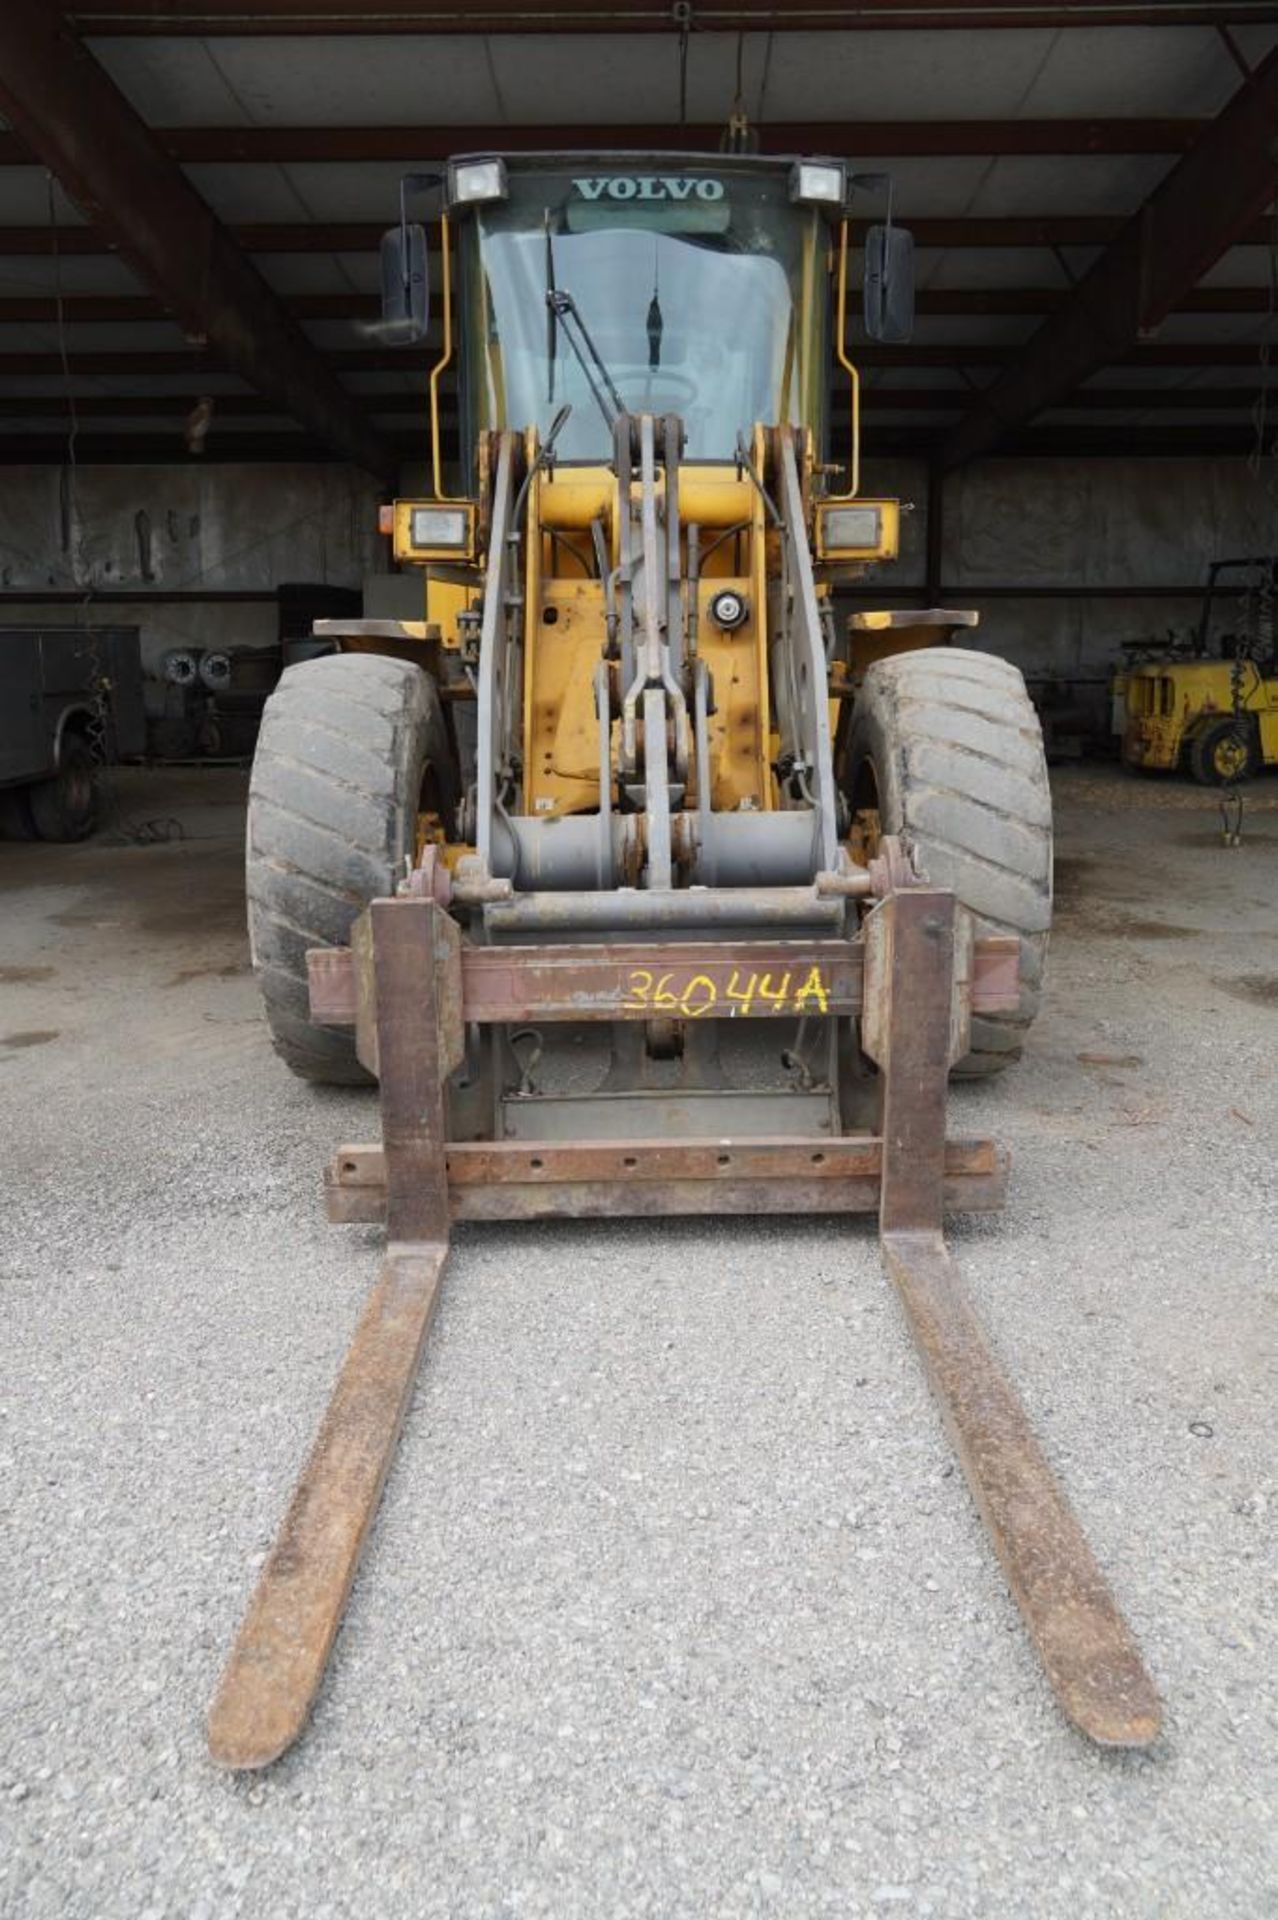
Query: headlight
{"x": 439, "y": 527}
{"x": 471, "y": 183}
{"x": 432, "y": 530}
{"x": 858, "y": 530}
{"x": 853, "y": 526}
{"x": 818, "y": 183}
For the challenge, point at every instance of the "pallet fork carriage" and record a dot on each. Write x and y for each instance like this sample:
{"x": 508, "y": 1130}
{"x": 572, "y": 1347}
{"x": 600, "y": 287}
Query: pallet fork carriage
{"x": 913, "y": 974}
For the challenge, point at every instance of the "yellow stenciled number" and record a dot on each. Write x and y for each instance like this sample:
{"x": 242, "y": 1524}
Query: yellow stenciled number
{"x": 694, "y": 998}
{"x": 662, "y": 996}
{"x": 776, "y": 996}
{"x": 693, "y": 1008}
{"x": 639, "y": 990}
{"x": 743, "y": 996}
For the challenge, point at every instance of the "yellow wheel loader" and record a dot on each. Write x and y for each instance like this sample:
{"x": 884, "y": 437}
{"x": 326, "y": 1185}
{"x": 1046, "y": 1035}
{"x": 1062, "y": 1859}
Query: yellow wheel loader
{"x": 1210, "y": 707}
{"x": 627, "y": 781}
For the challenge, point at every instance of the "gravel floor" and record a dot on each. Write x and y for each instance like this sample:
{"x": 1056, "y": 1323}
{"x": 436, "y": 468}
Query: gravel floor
{"x": 677, "y": 1605}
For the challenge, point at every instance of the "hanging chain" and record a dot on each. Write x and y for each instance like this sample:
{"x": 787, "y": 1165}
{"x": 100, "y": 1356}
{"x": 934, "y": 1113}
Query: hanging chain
{"x": 739, "y": 136}
{"x": 1263, "y": 459}
{"x": 97, "y": 679}
{"x": 1257, "y": 642}
{"x": 97, "y": 732}
{"x": 681, "y": 13}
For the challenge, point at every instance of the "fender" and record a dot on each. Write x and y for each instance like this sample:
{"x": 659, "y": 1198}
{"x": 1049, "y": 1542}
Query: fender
{"x": 74, "y": 712}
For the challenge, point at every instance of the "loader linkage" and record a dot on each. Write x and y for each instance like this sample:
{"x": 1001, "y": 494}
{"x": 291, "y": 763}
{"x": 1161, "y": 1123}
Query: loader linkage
{"x": 912, "y": 976}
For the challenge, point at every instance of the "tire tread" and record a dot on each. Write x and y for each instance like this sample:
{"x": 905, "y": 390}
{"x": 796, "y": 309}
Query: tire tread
{"x": 969, "y": 781}
{"x": 332, "y": 812}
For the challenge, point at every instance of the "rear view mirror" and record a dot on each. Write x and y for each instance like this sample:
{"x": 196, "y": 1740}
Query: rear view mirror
{"x": 405, "y": 284}
{"x": 889, "y": 283}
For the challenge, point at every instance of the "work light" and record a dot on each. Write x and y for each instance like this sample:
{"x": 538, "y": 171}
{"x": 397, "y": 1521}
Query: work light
{"x": 439, "y": 527}
{"x": 472, "y": 183}
{"x": 430, "y": 529}
{"x": 818, "y": 183}
{"x": 858, "y": 530}
{"x": 852, "y": 526}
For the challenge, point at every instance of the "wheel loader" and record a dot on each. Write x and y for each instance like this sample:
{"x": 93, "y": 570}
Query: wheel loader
{"x": 638, "y": 882}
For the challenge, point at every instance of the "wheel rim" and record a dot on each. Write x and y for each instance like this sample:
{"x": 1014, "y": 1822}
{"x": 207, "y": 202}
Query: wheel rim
{"x": 1229, "y": 758}
{"x": 867, "y": 822}
{"x": 79, "y": 790}
{"x": 864, "y": 834}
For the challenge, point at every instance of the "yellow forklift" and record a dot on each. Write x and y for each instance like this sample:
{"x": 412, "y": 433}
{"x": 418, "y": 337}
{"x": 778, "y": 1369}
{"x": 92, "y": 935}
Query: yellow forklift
{"x": 1210, "y": 706}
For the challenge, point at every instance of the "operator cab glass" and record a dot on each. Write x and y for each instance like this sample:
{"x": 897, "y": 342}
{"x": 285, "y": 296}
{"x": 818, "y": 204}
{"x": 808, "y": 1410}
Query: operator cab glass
{"x": 669, "y": 285}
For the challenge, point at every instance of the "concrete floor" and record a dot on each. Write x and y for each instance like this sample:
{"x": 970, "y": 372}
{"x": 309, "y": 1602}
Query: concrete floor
{"x": 677, "y": 1605}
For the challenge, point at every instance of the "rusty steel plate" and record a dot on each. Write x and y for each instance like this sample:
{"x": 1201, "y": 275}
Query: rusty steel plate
{"x": 490, "y": 1180}
{"x": 717, "y": 980}
{"x": 720, "y": 980}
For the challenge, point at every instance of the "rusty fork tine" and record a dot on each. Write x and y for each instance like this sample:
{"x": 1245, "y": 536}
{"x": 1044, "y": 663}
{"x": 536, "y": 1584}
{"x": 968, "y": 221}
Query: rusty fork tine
{"x": 1086, "y": 1647}
{"x": 916, "y": 1031}
{"x": 278, "y": 1659}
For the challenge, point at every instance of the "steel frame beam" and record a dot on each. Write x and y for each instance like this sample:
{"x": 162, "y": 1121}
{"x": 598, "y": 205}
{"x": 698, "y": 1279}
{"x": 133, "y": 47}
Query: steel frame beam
{"x": 355, "y": 236}
{"x": 254, "y": 326}
{"x": 127, "y": 309}
{"x": 410, "y": 401}
{"x": 1226, "y": 439}
{"x": 1216, "y": 192}
{"x": 1138, "y": 353}
{"x": 196, "y": 362}
{"x": 947, "y": 596}
{"x": 73, "y": 117}
{"x": 1086, "y": 400}
{"x": 206, "y": 17}
{"x": 855, "y": 139}
{"x": 240, "y": 406}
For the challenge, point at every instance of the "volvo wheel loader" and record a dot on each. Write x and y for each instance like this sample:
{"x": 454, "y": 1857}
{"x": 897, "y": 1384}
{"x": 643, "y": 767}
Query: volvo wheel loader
{"x": 629, "y": 778}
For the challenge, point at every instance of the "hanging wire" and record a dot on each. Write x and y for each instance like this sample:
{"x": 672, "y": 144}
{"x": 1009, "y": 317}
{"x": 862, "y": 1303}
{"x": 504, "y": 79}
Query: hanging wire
{"x": 739, "y": 136}
{"x": 98, "y": 718}
{"x": 1260, "y": 411}
{"x": 764, "y": 77}
{"x": 1263, "y": 460}
{"x": 98, "y": 731}
{"x": 68, "y": 388}
{"x": 681, "y": 13}
{"x": 1259, "y": 593}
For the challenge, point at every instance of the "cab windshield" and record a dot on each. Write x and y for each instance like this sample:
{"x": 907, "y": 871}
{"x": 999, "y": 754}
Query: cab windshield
{"x": 666, "y": 286}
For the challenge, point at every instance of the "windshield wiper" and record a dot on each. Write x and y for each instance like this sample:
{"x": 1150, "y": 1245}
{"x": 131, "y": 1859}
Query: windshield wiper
{"x": 563, "y": 308}
{"x": 656, "y": 324}
{"x": 656, "y": 327}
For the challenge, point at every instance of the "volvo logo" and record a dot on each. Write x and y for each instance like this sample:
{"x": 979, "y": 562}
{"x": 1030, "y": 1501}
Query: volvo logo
{"x": 648, "y": 186}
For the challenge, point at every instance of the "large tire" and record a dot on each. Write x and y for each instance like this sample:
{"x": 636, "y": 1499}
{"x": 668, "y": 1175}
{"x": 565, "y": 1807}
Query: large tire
{"x": 946, "y": 746}
{"x": 345, "y": 748}
{"x": 15, "y": 814}
{"x": 1225, "y": 753}
{"x": 65, "y": 807}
